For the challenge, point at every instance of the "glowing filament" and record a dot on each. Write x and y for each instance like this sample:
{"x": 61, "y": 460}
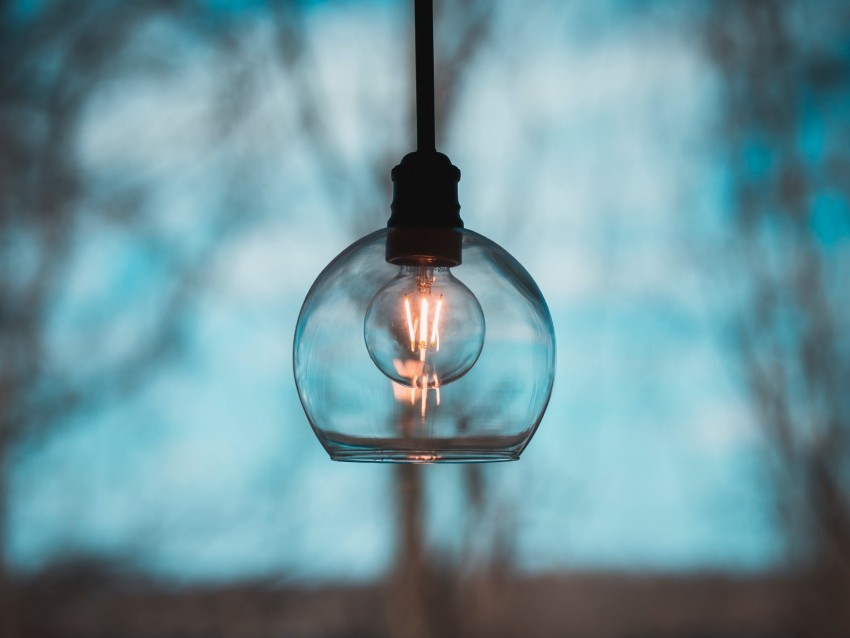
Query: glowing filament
{"x": 424, "y": 396}
{"x": 419, "y": 392}
{"x": 420, "y": 325}
{"x": 424, "y": 335}
{"x": 410, "y": 323}
{"x": 434, "y": 332}
{"x": 423, "y": 324}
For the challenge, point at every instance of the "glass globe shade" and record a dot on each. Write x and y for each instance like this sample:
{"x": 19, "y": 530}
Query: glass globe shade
{"x": 372, "y": 381}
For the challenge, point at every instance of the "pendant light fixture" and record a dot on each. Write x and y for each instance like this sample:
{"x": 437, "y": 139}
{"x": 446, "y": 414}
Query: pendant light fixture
{"x": 424, "y": 341}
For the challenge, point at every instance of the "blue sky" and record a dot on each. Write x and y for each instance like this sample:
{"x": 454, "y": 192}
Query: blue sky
{"x": 589, "y": 159}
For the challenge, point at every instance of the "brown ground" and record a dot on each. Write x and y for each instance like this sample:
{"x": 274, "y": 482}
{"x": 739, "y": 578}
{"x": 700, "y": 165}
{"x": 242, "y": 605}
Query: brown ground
{"x": 589, "y": 606}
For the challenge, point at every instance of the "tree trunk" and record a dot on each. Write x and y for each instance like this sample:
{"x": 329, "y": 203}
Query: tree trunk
{"x": 408, "y": 608}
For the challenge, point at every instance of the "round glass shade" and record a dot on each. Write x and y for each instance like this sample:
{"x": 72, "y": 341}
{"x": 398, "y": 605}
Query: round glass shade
{"x": 381, "y": 401}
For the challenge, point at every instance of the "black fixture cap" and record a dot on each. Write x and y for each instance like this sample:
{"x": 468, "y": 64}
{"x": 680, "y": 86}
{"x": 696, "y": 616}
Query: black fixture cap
{"x": 425, "y": 220}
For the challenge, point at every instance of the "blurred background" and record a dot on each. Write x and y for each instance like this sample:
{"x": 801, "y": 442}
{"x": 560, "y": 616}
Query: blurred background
{"x": 174, "y": 174}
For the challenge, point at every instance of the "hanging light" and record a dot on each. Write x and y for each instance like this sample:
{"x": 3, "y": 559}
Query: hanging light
{"x": 424, "y": 341}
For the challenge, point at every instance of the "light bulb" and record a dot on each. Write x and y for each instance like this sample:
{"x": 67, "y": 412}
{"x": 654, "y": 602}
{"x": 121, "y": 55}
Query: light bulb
{"x": 424, "y": 328}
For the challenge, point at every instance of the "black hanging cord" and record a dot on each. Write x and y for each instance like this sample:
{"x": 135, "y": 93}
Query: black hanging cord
{"x": 425, "y": 211}
{"x": 424, "y": 26}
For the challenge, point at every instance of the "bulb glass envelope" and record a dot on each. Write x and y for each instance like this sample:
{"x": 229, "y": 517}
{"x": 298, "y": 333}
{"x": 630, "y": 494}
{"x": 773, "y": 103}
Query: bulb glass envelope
{"x": 360, "y": 414}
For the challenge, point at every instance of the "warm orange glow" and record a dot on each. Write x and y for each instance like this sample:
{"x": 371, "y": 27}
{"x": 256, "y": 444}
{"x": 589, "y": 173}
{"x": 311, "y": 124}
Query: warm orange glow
{"x": 420, "y": 387}
{"x": 410, "y": 328}
{"x": 420, "y": 324}
{"x": 424, "y": 396}
{"x": 434, "y": 331}
{"x": 423, "y": 324}
{"x": 423, "y": 340}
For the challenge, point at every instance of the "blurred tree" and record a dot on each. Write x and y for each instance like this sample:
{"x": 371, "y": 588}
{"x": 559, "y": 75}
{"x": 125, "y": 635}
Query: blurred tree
{"x": 424, "y": 595}
{"x": 786, "y": 90}
{"x": 420, "y": 602}
{"x": 56, "y": 59}
{"x": 50, "y": 61}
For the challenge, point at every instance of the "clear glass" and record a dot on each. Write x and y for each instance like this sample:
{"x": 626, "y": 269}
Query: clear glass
{"x": 424, "y": 328}
{"x": 361, "y": 413}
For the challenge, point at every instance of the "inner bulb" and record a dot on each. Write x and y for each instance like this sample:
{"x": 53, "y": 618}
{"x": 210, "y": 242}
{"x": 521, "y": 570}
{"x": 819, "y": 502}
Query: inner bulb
{"x": 424, "y": 328}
